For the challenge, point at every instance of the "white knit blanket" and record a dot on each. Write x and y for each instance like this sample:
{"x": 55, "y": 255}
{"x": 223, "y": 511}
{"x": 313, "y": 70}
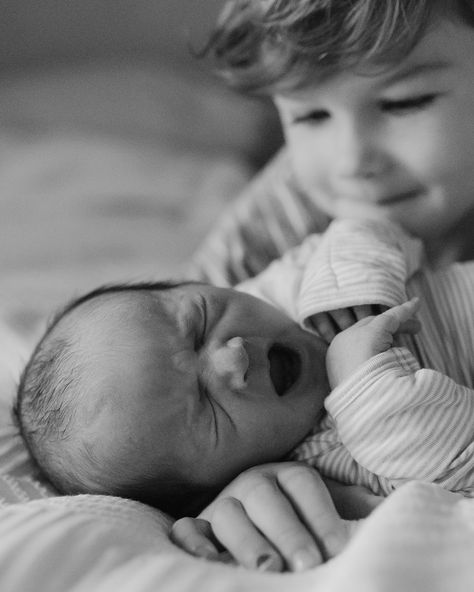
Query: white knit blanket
{"x": 420, "y": 539}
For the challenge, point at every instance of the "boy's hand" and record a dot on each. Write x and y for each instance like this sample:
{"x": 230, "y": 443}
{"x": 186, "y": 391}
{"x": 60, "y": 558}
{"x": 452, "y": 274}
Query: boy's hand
{"x": 329, "y": 324}
{"x": 367, "y": 338}
{"x": 274, "y": 517}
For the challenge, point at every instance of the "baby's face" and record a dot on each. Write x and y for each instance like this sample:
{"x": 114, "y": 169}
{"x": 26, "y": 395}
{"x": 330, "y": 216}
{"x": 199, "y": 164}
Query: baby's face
{"x": 200, "y": 378}
{"x": 398, "y": 143}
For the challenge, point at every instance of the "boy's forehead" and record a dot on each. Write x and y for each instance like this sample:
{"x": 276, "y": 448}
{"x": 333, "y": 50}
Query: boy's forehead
{"x": 446, "y": 43}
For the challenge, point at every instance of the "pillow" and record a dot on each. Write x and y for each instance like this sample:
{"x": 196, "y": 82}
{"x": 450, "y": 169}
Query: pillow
{"x": 20, "y": 481}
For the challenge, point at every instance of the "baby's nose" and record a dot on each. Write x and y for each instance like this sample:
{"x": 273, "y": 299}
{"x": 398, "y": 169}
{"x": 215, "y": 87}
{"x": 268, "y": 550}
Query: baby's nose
{"x": 231, "y": 361}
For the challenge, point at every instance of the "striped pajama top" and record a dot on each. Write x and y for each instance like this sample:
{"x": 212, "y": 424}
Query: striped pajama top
{"x": 408, "y": 413}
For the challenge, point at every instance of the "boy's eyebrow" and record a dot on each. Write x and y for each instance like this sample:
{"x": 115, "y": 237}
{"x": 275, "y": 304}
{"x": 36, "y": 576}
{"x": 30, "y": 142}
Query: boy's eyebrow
{"x": 417, "y": 69}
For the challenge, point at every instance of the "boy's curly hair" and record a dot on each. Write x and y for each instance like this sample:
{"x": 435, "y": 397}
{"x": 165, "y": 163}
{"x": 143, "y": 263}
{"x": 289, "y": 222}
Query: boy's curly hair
{"x": 266, "y": 46}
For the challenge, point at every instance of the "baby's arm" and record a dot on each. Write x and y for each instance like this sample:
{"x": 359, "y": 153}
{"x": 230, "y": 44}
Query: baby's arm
{"x": 280, "y": 283}
{"x": 396, "y": 419}
{"x": 358, "y": 263}
{"x": 370, "y": 336}
{"x": 355, "y": 269}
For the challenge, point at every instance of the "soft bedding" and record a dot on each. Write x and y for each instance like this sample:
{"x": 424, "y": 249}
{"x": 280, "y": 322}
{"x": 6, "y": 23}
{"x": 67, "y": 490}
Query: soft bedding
{"x": 87, "y": 197}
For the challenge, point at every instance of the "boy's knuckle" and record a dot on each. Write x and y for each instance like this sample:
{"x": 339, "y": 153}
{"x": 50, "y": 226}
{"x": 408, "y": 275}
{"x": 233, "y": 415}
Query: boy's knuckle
{"x": 182, "y": 526}
{"x": 257, "y": 489}
{"x": 291, "y": 536}
{"x": 227, "y": 503}
{"x": 296, "y": 475}
{"x": 223, "y": 507}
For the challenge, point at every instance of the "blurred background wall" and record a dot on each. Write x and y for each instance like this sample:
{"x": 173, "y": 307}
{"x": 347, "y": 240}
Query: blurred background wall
{"x": 34, "y": 30}
{"x": 38, "y": 35}
{"x": 118, "y": 148}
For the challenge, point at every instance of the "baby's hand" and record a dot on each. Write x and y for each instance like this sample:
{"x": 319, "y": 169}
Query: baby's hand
{"x": 329, "y": 324}
{"x": 369, "y": 337}
{"x": 273, "y": 517}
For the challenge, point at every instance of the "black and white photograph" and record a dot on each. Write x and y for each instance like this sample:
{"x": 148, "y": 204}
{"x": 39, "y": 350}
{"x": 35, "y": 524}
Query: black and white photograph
{"x": 236, "y": 295}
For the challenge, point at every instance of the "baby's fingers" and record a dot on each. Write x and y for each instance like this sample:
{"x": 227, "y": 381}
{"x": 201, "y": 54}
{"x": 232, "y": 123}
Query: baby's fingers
{"x": 324, "y": 326}
{"x": 329, "y": 324}
{"x": 400, "y": 318}
{"x": 362, "y": 311}
{"x": 343, "y": 318}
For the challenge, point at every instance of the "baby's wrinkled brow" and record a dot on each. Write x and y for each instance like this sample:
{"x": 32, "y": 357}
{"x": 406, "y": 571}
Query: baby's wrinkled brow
{"x": 184, "y": 313}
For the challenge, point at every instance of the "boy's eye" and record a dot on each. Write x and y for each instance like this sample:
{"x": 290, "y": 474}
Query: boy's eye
{"x": 315, "y": 117}
{"x": 407, "y": 105}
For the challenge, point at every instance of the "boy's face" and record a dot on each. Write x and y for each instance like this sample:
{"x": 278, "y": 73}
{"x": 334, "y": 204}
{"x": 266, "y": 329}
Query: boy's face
{"x": 205, "y": 379}
{"x": 398, "y": 143}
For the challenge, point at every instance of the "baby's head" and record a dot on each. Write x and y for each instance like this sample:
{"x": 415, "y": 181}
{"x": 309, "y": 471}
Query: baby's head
{"x": 164, "y": 392}
{"x": 375, "y": 98}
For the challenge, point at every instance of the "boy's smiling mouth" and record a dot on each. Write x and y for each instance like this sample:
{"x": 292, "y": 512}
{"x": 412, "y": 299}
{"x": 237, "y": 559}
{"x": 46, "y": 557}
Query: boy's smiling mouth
{"x": 285, "y": 367}
{"x": 398, "y": 198}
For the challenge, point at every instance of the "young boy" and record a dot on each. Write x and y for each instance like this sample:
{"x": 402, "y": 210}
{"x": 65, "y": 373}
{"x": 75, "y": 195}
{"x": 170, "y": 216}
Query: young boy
{"x": 376, "y": 102}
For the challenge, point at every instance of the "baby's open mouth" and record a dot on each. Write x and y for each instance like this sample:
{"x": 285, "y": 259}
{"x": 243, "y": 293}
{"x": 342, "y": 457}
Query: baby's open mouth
{"x": 285, "y": 368}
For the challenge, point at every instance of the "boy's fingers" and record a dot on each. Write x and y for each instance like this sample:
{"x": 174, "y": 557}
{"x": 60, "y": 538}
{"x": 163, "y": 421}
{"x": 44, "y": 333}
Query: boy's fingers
{"x": 276, "y": 518}
{"x": 314, "y": 505}
{"x": 410, "y": 326}
{"x": 237, "y": 533}
{"x": 195, "y": 536}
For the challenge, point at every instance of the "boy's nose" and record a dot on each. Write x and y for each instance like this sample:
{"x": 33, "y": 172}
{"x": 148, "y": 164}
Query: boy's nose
{"x": 230, "y": 362}
{"x": 359, "y": 153}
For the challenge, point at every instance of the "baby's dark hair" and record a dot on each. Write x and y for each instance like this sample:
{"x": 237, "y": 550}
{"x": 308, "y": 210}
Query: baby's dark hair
{"x": 51, "y": 384}
{"x": 269, "y": 46}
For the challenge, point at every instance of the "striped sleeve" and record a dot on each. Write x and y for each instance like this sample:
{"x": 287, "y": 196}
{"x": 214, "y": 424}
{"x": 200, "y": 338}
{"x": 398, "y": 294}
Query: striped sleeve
{"x": 405, "y": 422}
{"x": 323, "y": 449}
{"x": 271, "y": 216}
{"x": 447, "y": 315}
{"x": 358, "y": 262}
{"x": 280, "y": 283}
